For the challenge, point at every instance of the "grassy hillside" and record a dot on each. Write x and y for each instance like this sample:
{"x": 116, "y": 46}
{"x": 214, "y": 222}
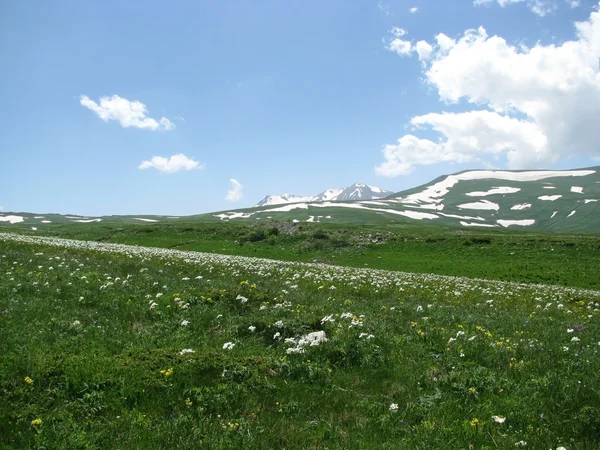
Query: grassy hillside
{"x": 569, "y": 260}
{"x": 124, "y": 347}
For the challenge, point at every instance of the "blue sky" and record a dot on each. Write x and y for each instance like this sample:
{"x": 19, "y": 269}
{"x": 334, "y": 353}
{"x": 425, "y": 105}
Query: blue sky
{"x": 291, "y": 97}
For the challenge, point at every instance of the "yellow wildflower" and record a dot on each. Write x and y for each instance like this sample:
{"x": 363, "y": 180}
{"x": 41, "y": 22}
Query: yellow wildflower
{"x": 28, "y": 380}
{"x": 36, "y": 422}
{"x": 167, "y": 373}
{"x": 474, "y": 421}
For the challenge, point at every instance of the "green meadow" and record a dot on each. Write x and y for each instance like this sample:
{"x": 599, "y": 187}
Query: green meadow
{"x": 562, "y": 259}
{"x": 115, "y": 346}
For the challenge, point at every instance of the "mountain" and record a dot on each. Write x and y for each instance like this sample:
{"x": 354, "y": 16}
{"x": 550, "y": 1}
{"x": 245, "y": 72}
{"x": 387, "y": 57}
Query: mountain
{"x": 535, "y": 200}
{"x": 354, "y": 192}
{"x": 540, "y": 200}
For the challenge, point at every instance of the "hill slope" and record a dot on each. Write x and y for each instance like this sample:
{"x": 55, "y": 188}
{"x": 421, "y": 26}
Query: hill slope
{"x": 567, "y": 200}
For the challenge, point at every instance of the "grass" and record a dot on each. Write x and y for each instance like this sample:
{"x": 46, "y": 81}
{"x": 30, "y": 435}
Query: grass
{"x": 127, "y": 347}
{"x": 567, "y": 260}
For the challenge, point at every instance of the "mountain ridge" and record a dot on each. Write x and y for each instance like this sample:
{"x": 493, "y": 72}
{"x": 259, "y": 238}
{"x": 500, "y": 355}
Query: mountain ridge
{"x": 356, "y": 191}
{"x": 540, "y": 200}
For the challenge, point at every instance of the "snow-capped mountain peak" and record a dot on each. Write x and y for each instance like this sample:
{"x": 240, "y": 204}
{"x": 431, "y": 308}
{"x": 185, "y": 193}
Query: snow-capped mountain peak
{"x": 329, "y": 194}
{"x": 354, "y": 192}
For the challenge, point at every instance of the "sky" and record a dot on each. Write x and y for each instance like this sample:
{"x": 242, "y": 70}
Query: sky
{"x": 188, "y": 107}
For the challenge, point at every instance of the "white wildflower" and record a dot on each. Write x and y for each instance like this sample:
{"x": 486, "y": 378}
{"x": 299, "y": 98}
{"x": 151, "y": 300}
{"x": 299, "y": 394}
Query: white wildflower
{"x": 394, "y": 407}
{"x": 328, "y": 318}
{"x": 186, "y": 350}
{"x": 228, "y": 345}
{"x": 499, "y": 419}
{"x": 252, "y": 328}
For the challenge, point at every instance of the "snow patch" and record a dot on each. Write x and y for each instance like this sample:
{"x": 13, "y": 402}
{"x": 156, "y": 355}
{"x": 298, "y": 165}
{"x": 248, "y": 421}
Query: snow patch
{"x": 46, "y": 221}
{"x": 553, "y": 214}
{"x": 483, "y": 205}
{"x": 521, "y": 207}
{"x": 522, "y": 223}
{"x": 39, "y": 217}
{"x": 494, "y": 191}
{"x": 472, "y": 224}
{"x": 550, "y": 198}
{"x": 145, "y": 220}
{"x": 589, "y": 200}
{"x": 454, "y": 216}
{"x": 549, "y": 187}
{"x": 577, "y": 189}
{"x": 11, "y": 219}
{"x": 571, "y": 213}
{"x": 372, "y": 202}
{"x": 88, "y": 220}
{"x": 34, "y": 228}
{"x": 233, "y": 215}
{"x": 288, "y": 208}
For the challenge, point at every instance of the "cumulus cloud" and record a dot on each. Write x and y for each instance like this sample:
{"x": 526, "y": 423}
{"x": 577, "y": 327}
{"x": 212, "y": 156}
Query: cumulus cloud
{"x": 539, "y": 7}
{"x": 235, "y": 194}
{"x": 424, "y": 50}
{"x": 413, "y": 10}
{"x": 532, "y": 106}
{"x": 171, "y": 165}
{"x": 128, "y": 113}
{"x": 397, "y": 44}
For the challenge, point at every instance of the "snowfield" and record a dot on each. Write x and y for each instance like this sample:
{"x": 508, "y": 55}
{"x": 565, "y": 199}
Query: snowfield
{"x": 483, "y": 205}
{"x": 11, "y": 219}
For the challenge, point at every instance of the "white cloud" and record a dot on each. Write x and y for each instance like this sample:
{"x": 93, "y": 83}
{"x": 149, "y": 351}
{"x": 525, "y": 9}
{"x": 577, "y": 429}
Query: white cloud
{"x": 397, "y": 44}
{"x": 127, "y": 113}
{"x": 235, "y": 194}
{"x": 573, "y": 3}
{"x": 413, "y": 10}
{"x": 400, "y": 158}
{"x": 171, "y": 165}
{"x": 539, "y": 7}
{"x": 1, "y": 208}
{"x": 424, "y": 50}
{"x": 534, "y": 105}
